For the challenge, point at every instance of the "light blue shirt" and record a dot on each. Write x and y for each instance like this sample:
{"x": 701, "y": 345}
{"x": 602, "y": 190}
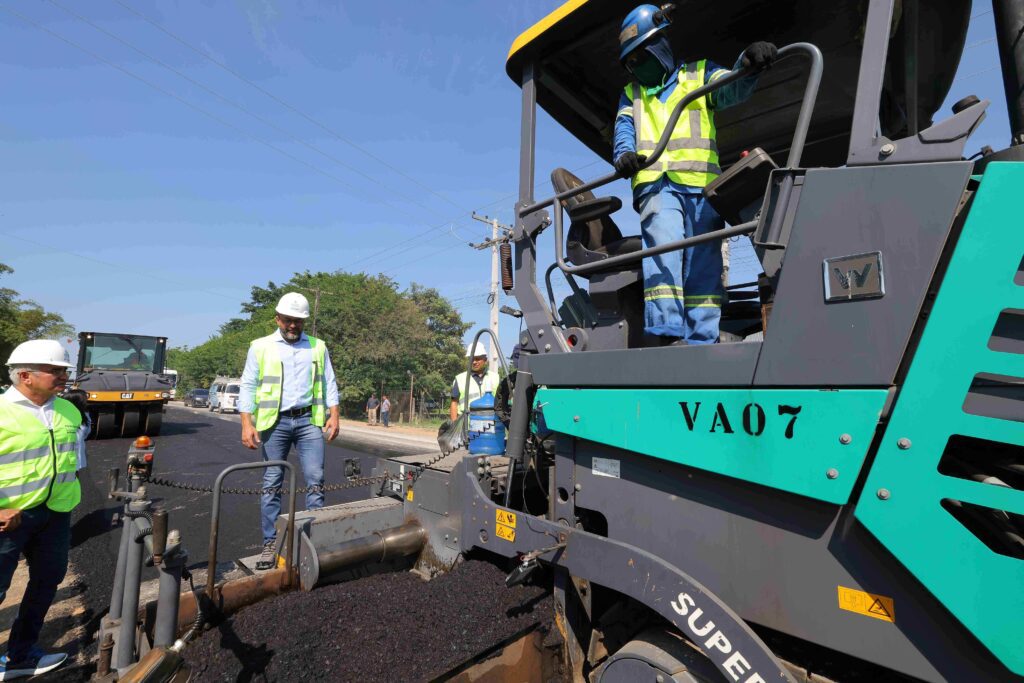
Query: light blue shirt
{"x": 296, "y": 373}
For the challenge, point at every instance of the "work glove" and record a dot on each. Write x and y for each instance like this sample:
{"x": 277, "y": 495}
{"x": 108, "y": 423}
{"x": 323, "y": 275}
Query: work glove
{"x": 760, "y": 55}
{"x": 445, "y": 426}
{"x": 628, "y": 164}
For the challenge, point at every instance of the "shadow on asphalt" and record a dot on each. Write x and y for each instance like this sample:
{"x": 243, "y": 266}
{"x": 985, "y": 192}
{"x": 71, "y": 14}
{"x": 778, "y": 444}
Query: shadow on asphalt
{"x": 96, "y": 523}
{"x": 172, "y": 428}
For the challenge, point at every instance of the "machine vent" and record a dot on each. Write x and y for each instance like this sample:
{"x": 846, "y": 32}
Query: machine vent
{"x": 1008, "y": 334}
{"x": 1001, "y": 531}
{"x": 981, "y": 460}
{"x": 998, "y": 396}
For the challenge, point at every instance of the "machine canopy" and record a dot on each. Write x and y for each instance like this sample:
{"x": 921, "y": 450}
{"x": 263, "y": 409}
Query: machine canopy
{"x": 579, "y": 79}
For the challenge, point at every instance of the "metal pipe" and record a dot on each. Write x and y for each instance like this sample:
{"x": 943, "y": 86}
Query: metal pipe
{"x": 125, "y": 654}
{"x": 1009, "y": 20}
{"x": 517, "y": 427}
{"x": 165, "y": 630}
{"x": 117, "y": 592}
{"x": 159, "y": 543}
{"x": 378, "y": 547}
{"x": 469, "y": 363}
{"x": 211, "y": 564}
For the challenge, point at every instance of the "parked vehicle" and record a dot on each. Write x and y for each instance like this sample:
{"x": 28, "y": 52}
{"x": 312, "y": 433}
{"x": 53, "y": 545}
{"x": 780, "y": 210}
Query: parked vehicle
{"x": 224, "y": 394}
{"x": 197, "y": 398}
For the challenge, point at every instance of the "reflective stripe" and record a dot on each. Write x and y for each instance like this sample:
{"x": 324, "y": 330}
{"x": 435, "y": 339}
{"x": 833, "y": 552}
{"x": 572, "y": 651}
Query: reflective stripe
{"x": 663, "y": 292}
{"x": 66, "y": 477}
{"x": 65, "y": 447}
{"x": 21, "y": 456}
{"x": 698, "y": 166}
{"x": 681, "y": 143}
{"x": 637, "y": 112}
{"x": 270, "y": 379}
{"x": 21, "y": 489}
{"x": 718, "y": 74}
{"x": 695, "y": 131}
{"x": 272, "y": 403}
{"x": 318, "y": 402}
{"x": 691, "y": 71}
{"x": 625, "y": 111}
{"x": 704, "y": 301}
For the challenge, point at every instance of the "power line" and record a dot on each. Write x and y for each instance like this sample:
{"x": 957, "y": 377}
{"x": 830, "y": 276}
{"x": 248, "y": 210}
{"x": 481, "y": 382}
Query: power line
{"x": 980, "y": 43}
{"x": 147, "y": 274}
{"x": 976, "y": 73}
{"x": 188, "y": 104}
{"x": 283, "y": 103}
{"x": 239, "y": 107}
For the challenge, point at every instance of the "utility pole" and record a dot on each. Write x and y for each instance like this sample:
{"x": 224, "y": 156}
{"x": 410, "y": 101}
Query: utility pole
{"x": 492, "y": 299}
{"x": 412, "y": 401}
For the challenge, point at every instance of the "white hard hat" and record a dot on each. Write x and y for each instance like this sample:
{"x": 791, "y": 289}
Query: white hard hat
{"x": 481, "y": 349}
{"x": 293, "y": 305}
{"x": 39, "y": 352}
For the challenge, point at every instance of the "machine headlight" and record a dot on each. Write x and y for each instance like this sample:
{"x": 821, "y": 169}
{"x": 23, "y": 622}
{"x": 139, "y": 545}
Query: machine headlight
{"x": 165, "y": 395}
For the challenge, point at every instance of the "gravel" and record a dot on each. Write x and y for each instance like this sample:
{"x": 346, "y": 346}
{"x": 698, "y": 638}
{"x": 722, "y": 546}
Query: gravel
{"x": 386, "y": 627}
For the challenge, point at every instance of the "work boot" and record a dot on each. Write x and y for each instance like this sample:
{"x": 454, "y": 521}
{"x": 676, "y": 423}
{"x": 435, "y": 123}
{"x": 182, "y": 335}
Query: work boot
{"x": 268, "y": 558}
{"x": 37, "y": 662}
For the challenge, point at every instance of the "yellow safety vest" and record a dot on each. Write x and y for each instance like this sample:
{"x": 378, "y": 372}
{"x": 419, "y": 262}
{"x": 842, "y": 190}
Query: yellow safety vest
{"x": 37, "y": 465}
{"x": 691, "y": 157}
{"x": 490, "y": 383}
{"x": 271, "y": 370}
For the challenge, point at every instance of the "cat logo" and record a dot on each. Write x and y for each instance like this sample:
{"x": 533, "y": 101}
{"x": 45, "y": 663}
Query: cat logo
{"x": 858, "y": 276}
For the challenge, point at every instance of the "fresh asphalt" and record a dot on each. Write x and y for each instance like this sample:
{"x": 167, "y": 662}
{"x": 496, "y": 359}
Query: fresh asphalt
{"x": 194, "y": 447}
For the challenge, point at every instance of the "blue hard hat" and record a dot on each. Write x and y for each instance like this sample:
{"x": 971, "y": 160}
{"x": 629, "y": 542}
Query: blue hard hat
{"x": 640, "y": 25}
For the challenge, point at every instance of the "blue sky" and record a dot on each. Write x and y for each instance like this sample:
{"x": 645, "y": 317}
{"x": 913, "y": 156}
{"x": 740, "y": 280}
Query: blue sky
{"x": 124, "y": 207}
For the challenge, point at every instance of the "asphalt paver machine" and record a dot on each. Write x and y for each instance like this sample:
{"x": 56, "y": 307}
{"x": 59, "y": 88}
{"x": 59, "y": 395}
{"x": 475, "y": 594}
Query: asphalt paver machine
{"x": 836, "y": 494}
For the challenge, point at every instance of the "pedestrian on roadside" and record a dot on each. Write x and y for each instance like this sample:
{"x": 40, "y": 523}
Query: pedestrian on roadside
{"x": 38, "y": 435}
{"x": 287, "y": 389}
{"x": 385, "y": 411}
{"x": 371, "y": 409}
{"x": 79, "y": 398}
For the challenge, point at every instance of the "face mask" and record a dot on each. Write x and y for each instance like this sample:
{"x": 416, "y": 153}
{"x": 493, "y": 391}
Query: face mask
{"x": 649, "y": 72}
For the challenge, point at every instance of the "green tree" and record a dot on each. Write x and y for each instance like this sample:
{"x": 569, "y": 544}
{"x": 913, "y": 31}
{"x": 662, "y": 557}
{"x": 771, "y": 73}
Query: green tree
{"x": 376, "y": 334}
{"x": 22, "y": 320}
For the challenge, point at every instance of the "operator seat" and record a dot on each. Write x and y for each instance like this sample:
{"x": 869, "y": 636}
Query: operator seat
{"x": 616, "y": 292}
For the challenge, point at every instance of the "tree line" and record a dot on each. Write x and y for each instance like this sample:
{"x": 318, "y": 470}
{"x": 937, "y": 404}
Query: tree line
{"x": 22, "y": 320}
{"x": 376, "y": 334}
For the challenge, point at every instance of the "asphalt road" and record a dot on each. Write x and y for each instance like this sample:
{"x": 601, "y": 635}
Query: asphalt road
{"x": 194, "y": 446}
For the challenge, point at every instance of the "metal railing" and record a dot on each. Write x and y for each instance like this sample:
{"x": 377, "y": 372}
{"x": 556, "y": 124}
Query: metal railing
{"x": 795, "y": 152}
{"x": 211, "y": 562}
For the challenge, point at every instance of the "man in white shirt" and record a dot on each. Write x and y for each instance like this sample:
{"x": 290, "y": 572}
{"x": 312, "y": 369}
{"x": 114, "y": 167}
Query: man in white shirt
{"x": 288, "y": 387}
{"x": 38, "y": 490}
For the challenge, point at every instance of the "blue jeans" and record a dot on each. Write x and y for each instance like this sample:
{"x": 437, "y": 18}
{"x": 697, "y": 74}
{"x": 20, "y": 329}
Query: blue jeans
{"x": 385, "y": 417}
{"x": 682, "y": 289}
{"x": 308, "y": 440}
{"x": 44, "y": 537}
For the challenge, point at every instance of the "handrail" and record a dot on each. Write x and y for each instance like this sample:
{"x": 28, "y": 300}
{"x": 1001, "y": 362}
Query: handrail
{"x": 211, "y": 561}
{"x": 795, "y": 153}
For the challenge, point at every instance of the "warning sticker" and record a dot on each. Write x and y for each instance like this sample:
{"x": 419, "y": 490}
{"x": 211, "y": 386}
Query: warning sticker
{"x": 505, "y": 532}
{"x": 504, "y": 517}
{"x": 868, "y": 604}
{"x": 408, "y": 494}
{"x": 606, "y": 467}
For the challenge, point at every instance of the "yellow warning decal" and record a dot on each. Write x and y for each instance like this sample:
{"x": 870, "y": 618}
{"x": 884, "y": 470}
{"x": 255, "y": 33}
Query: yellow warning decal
{"x": 505, "y": 517}
{"x": 408, "y": 494}
{"x": 868, "y": 604}
{"x": 505, "y": 532}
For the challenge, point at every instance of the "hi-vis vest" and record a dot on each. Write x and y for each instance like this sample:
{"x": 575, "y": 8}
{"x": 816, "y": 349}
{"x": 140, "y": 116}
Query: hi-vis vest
{"x": 37, "y": 465}
{"x": 268, "y": 383}
{"x": 490, "y": 383}
{"x": 691, "y": 157}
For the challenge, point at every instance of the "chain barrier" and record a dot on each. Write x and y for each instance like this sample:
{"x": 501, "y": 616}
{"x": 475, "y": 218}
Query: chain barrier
{"x": 257, "y": 491}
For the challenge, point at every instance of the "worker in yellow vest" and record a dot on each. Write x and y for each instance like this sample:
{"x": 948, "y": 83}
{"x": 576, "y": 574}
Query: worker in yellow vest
{"x": 683, "y": 291}
{"x": 481, "y": 380}
{"x": 287, "y": 390}
{"x": 38, "y": 490}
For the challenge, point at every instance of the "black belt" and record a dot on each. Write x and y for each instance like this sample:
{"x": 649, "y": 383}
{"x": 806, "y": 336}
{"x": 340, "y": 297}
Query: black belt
{"x": 297, "y": 412}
